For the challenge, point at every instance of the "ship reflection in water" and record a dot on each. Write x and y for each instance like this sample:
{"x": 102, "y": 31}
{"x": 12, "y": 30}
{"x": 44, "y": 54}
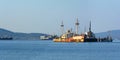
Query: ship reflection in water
{"x": 89, "y": 36}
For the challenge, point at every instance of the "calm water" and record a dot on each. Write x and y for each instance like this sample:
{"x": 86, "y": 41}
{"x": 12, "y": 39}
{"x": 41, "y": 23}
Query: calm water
{"x": 48, "y": 50}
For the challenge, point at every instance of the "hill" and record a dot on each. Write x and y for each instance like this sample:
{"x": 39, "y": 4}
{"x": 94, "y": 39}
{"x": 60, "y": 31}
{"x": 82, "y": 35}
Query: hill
{"x": 36, "y": 36}
{"x": 114, "y": 33}
{"x": 20, "y": 36}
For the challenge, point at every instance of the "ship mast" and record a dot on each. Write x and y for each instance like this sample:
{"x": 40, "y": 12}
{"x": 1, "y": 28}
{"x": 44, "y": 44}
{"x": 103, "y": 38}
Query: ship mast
{"x": 90, "y": 27}
{"x": 84, "y": 29}
{"x": 62, "y": 27}
{"x": 90, "y": 32}
{"x": 77, "y": 26}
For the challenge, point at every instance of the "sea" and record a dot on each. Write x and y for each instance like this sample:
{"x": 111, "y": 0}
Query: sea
{"x": 49, "y": 50}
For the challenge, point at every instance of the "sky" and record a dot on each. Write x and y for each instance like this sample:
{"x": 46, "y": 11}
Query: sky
{"x": 45, "y": 16}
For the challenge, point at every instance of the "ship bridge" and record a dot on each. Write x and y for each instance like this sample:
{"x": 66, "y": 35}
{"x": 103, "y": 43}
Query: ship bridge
{"x": 68, "y": 34}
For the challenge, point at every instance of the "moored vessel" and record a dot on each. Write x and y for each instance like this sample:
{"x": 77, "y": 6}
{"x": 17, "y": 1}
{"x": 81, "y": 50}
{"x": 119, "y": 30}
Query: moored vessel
{"x": 6, "y": 38}
{"x": 89, "y": 36}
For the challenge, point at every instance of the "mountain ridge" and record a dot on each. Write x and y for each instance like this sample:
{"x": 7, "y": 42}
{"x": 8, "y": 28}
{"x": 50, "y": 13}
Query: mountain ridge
{"x": 36, "y": 36}
{"x": 19, "y": 35}
{"x": 115, "y": 34}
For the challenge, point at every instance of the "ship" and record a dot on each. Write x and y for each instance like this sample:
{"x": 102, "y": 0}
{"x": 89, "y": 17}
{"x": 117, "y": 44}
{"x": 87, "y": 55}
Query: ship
{"x": 48, "y": 37}
{"x": 6, "y": 38}
{"x": 89, "y": 36}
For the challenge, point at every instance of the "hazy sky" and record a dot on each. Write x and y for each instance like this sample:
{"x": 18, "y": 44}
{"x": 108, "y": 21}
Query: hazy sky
{"x": 46, "y": 15}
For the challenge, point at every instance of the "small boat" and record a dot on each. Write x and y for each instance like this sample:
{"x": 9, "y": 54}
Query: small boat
{"x": 48, "y": 37}
{"x": 6, "y": 38}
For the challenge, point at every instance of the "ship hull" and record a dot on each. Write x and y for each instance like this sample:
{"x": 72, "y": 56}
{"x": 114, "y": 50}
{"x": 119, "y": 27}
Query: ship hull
{"x": 80, "y": 40}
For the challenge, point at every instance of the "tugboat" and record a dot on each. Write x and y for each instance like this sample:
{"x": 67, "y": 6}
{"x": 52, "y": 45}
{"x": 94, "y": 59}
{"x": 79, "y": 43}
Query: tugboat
{"x": 75, "y": 37}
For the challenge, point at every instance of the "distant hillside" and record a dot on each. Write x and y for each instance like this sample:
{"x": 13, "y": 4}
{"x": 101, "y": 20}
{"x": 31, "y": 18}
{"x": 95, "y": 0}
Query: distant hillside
{"x": 114, "y": 33}
{"x": 36, "y": 36}
{"x": 20, "y": 36}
